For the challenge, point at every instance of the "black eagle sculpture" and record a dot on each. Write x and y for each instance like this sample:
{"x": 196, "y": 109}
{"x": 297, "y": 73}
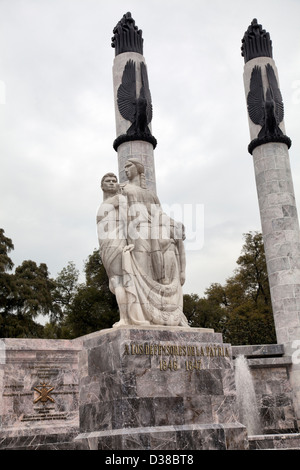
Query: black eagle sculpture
{"x": 133, "y": 108}
{"x": 266, "y": 110}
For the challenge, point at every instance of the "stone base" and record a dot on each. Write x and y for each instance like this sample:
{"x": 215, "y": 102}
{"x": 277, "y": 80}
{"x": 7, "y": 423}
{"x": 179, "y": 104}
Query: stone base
{"x": 38, "y": 393}
{"x": 187, "y": 437}
{"x": 275, "y": 442}
{"x": 158, "y": 388}
{"x": 56, "y": 438}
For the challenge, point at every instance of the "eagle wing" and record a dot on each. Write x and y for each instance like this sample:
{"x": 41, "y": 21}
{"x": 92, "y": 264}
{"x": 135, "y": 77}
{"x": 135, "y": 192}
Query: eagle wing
{"x": 275, "y": 93}
{"x": 126, "y": 95}
{"x": 255, "y": 98}
{"x": 145, "y": 92}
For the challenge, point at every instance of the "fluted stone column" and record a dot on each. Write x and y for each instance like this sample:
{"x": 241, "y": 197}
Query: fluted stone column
{"x": 280, "y": 227}
{"x": 128, "y": 44}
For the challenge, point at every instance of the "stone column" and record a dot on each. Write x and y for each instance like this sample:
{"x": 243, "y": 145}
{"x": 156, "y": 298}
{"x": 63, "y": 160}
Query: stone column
{"x": 280, "y": 227}
{"x": 138, "y": 143}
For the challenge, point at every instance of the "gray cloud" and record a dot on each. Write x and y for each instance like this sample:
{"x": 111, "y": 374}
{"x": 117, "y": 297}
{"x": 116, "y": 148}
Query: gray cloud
{"x": 57, "y": 124}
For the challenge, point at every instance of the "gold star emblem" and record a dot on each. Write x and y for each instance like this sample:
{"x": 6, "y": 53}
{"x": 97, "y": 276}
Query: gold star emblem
{"x": 44, "y": 394}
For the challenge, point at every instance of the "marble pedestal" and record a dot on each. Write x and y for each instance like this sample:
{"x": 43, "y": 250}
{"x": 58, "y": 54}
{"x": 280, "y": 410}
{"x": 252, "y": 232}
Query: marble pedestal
{"x": 158, "y": 388}
{"x": 38, "y": 394}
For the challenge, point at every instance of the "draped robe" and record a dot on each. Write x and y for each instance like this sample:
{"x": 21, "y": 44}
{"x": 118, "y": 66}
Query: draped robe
{"x": 150, "y": 270}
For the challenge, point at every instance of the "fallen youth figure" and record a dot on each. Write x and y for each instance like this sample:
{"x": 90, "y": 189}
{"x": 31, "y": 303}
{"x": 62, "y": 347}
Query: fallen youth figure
{"x": 142, "y": 252}
{"x": 111, "y": 237}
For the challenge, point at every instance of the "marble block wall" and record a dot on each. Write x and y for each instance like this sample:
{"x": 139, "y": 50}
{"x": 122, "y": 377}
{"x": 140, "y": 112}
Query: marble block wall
{"x": 137, "y": 388}
{"x": 38, "y": 392}
{"x": 270, "y": 370}
{"x": 158, "y": 388}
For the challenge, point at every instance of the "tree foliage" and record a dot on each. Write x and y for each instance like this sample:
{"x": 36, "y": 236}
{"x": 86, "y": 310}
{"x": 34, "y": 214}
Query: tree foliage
{"x": 6, "y": 281}
{"x": 63, "y": 294}
{"x": 240, "y": 309}
{"x": 93, "y": 307}
{"x": 24, "y": 294}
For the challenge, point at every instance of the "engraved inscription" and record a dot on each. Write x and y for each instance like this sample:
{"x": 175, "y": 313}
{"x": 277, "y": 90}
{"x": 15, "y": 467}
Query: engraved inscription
{"x": 147, "y": 349}
{"x": 46, "y": 413}
{"x": 192, "y": 354}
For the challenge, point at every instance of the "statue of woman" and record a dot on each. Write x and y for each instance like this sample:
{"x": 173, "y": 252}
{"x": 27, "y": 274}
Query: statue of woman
{"x": 150, "y": 230}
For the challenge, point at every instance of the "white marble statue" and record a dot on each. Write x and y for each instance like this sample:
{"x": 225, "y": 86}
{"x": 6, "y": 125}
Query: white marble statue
{"x": 142, "y": 251}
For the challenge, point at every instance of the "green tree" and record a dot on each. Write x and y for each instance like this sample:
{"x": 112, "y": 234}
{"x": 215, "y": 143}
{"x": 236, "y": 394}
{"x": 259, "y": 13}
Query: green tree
{"x": 241, "y": 308}
{"x": 34, "y": 289}
{"x": 66, "y": 287}
{"x": 7, "y": 287}
{"x": 250, "y": 319}
{"x": 24, "y": 294}
{"x": 252, "y": 271}
{"x": 201, "y": 312}
{"x": 33, "y": 297}
{"x": 6, "y": 246}
{"x": 93, "y": 307}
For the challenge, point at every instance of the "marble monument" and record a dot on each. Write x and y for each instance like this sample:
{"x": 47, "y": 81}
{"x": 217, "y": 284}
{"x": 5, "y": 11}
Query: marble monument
{"x": 150, "y": 382}
{"x": 142, "y": 251}
{"x": 279, "y": 218}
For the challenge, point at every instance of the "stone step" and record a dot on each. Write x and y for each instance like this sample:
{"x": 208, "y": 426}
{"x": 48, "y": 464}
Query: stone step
{"x": 275, "y": 442}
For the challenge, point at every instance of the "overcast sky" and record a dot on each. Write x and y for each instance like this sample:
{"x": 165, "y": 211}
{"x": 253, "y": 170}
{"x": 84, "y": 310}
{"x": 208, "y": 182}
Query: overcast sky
{"x": 57, "y": 120}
